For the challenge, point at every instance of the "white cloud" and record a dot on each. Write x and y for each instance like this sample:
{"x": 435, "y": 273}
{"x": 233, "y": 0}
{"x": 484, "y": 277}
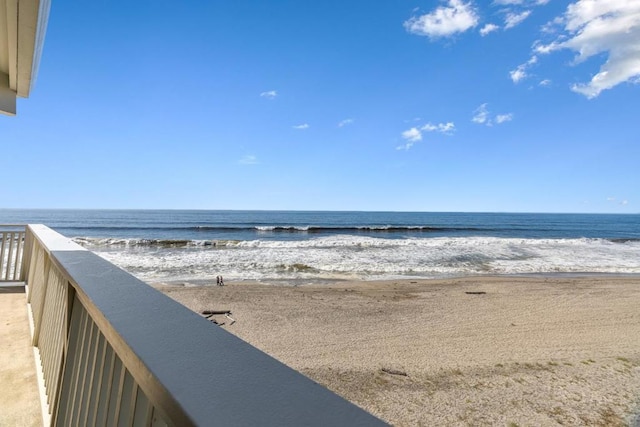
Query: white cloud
{"x": 513, "y": 19}
{"x": 302, "y": 126}
{"x": 456, "y": 17}
{"x": 269, "y": 94}
{"x": 345, "y": 122}
{"x": 248, "y": 160}
{"x": 501, "y": 118}
{"x": 545, "y": 82}
{"x": 412, "y": 135}
{"x": 623, "y": 202}
{"x": 489, "y": 28}
{"x": 553, "y": 26}
{"x": 520, "y": 2}
{"x": 518, "y": 74}
{"x": 406, "y": 146}
{"x": 594, "y": 27}
{"x": 521, "y": 70}
{"x": 482, "y": 116}
{"x": 446, "y": 128}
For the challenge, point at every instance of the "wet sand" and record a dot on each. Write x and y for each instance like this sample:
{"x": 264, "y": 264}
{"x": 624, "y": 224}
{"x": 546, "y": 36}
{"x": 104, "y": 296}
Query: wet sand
{"x": 472, "y": 351}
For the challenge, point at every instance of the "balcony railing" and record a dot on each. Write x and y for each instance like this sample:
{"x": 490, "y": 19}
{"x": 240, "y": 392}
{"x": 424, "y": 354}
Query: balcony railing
{"x": 115, "y": 351}
{"x": 11, "y": 247}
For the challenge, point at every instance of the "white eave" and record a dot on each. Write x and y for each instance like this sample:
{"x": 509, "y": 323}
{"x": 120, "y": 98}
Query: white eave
{"x": 22, "y": 27}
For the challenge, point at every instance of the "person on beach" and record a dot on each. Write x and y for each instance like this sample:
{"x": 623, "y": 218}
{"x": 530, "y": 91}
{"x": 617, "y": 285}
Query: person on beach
{"x": 221, "y": 281}
{"x": 218, "y": 280}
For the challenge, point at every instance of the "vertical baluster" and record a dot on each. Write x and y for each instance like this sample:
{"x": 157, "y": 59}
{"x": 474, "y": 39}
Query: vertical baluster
{"x": 77, "y": 364}
{"x": 89, "y": 373}
{"x": 2, "y": 250}
{"x": 60, "y": 337}
{"x": 116, "y": 393}
{"x": 143, "y": 410}
{"x": 9, "y": 258}
{"x": 84, "y": 366}
{"x": 96, "y": 386}
{"x": 125, "y": 412}
{"x": 19, "y": 256}
{"x": 71, "y": 358}
{"x": 106, "y": 386}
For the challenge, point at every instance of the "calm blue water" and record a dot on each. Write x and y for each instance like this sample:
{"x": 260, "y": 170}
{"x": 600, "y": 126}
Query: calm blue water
{"x": 288, "y": 225}
{"x": 307, "y": 246}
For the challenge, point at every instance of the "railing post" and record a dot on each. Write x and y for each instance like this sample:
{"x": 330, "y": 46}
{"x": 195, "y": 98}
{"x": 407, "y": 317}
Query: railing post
{"x": 26, "y": 254}
{"x": 37, "y": 316}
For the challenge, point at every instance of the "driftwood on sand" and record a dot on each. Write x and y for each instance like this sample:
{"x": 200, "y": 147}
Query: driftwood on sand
{"x": 227, "y": 313}
{"x": 394, "y": 372}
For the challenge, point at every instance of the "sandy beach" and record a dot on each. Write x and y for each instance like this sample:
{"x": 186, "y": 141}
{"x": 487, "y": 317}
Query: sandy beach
{"x": 536, "y": 351}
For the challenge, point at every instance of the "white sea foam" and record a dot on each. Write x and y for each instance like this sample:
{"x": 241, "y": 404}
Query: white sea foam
{"x": 359, "y": 257}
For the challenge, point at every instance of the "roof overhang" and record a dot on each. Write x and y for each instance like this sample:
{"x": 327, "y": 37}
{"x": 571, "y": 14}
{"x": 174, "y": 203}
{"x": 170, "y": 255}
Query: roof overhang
{"x": 22, "y": 27}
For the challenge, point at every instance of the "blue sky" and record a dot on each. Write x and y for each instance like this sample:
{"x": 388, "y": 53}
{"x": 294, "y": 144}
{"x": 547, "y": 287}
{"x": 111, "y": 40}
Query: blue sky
{"x": 509, "y": 105}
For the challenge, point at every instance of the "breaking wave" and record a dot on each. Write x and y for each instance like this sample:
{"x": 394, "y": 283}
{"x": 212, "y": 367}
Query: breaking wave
{"x": 365, "y": 257}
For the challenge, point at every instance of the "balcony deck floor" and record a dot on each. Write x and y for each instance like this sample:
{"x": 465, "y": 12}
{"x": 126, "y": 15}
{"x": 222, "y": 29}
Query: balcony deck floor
{"x": 19, "y": 397}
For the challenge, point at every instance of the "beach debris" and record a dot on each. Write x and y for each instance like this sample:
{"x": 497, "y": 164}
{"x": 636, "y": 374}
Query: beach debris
{"x": 475, "y": 292}
{"x": 209, "y": 313}
{"x": 394, "y": 372}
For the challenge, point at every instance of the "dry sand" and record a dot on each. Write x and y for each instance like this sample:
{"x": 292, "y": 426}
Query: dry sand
{"x": 19, "y": 398}
{"x": 539, "y": 351}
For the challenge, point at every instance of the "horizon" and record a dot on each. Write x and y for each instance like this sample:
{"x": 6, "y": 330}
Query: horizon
{"x": 520, "y": 106}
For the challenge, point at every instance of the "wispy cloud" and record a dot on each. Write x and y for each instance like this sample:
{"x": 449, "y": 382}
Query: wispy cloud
{"x": 415, "y": 134}
{"x": 545, "y": 82}
{"x": 501, "y": 118}
{"x": 412, "y": 135}
{"x": 269, "y": 94}
{"x": 406, "y": 146}
{"x": 488, "y": 28}
{"x": 513, "y": 19}
{"x": 527, "y": 3}
{"x": 595, "y": 27}
{"x": 482, "y": 116}
{"x": 518, "y": 74}
{"x": 521, "y": 71}
{"x": 345, "y": 122}
{"x": 445, "y": 21}
{"x": 623, "y": 202}
{"x": 248, "y": 160}
{"x": 302, "y": 126}
{"x": 446, "y": 128}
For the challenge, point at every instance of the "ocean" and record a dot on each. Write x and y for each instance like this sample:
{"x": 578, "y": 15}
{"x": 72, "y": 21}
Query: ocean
{"x": 316, "y": 247}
